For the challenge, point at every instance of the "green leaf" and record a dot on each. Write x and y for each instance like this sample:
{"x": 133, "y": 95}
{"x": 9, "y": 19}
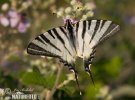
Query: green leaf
{"x": 63, "y": 77}
{"x": 113, "y": 67}
{"x": 91, "y": 91}
{"x": 108, "y": 69}
{"x": 33, "y": 78}
{"x": 50, "y": 80}
{"x": 69, "y": 89}
{"x": 4, "y": 1}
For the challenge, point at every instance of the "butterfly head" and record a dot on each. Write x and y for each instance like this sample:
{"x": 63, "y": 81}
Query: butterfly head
{"x": 69, "y": 24}
{"x": 71, "y": 20}
{"x": 68, "y": 21}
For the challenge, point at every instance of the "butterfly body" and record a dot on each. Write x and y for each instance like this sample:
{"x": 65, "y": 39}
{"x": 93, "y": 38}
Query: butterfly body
{"x": 73, "y": 40}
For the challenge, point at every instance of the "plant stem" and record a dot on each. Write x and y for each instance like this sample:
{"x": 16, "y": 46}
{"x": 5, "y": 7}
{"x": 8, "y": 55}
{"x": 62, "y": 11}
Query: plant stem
{"x": 50, "y": 93}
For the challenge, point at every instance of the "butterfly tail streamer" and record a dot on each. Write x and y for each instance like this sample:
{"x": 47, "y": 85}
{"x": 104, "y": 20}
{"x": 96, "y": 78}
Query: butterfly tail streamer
{"x": 88, "y": 70}
{"x": 91, "y": 76}
{"x": 72, "y": 68}
{"x": 76, "y": 78}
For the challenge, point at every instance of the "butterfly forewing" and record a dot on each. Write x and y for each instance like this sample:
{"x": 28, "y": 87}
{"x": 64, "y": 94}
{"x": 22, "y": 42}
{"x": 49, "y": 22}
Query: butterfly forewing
{"x": 54, "y": 43}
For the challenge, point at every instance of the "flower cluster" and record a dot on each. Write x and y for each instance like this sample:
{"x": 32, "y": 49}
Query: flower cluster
{"x": 77, "y": 11}
{"x": 13, "y": 19}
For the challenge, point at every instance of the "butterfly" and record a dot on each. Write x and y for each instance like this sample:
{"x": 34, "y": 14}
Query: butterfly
{"x": 73, "y": 40}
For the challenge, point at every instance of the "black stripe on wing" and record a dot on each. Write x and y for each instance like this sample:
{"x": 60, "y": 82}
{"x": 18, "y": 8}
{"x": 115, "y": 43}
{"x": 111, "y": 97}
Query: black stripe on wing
{"x": 112, "y": 29}
{"x": 95, "y": 29}
{"x": 41, "y": 46}
{"x": 52, "y": 43}
{"x": 102, "y": 24}
{"x": 89, "y": 24}
{"x": 50, "y": 33}
{"x": 84, "y": 29}
{"x": 49, "y": 42}
{"x": 65, "y": 33}
{"x": 83, "y": 33}
{"x": 102, "y": 30}
{"x": 36, "y": 50}
{"x": 60, "y": 39}
{"x": 77, "y": 26}
{"x": 39, "y": 39}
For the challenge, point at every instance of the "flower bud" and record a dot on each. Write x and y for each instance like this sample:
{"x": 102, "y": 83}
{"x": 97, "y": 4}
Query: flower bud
{"x": 90, "y": 14}
{"x": 73, "y": 2}
{"x": 84, "y": 17}
{"x": 5, "y": 6}
{"x": 59, "y": 13}
{"x": 68, "y": 10}
{"x": 4, "y": 21}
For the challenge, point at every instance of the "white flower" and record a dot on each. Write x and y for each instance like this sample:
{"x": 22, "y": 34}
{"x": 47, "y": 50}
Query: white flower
{"x": 68, "y": 10}
{"x": 73, "y": 2}
{"x": 29, "y": 70}
{"x": 37, "y": 62}
{"x": 71, "y": 76}
{"x": 59, "y": 13}
{"x": 2, "y": 92}
{"x": 104, "y": 91}
{"x": 90, "y": 6}
{"x": 5, "y": 6}
{"x": 68, "y": 17}
{"x": 90, "y": 14}
{"x": 4, "y": 21}
{"x": 84, "y": 17}
{"x": 43, "y": 56}
{"x": 53, "y": 67}
{"x": 78, "y": 7}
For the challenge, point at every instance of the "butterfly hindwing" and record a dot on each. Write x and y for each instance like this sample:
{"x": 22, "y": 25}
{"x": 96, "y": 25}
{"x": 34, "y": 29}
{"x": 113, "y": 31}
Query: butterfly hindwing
{"x": 90, "y": 33}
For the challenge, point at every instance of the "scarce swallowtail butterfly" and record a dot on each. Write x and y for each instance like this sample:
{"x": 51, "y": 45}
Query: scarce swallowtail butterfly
{"x": 73, "y": 40}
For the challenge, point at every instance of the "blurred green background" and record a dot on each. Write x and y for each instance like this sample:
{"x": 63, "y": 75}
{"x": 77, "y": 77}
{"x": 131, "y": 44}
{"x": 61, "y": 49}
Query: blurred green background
{"x": 114, "y": 66}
